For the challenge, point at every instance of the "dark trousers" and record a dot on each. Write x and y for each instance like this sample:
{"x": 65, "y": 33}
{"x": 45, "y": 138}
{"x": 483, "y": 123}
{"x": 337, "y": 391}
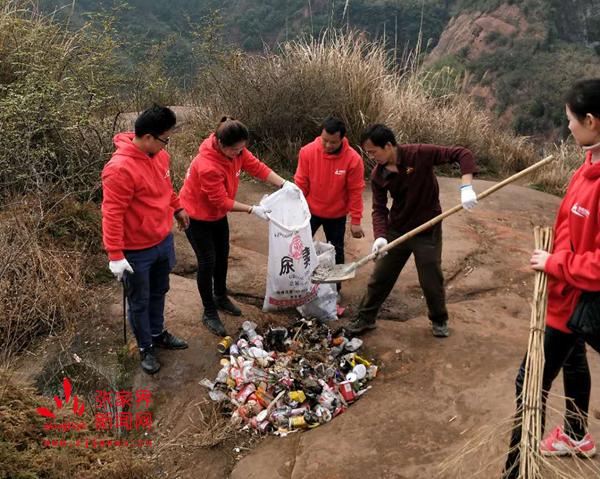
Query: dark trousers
{"x": 334, "y": 229}
{"x": 146, "y": 288}
{"x": 210, "y": 241}
{"x": 427, "y": 250}
{"x": 562, "y": 351}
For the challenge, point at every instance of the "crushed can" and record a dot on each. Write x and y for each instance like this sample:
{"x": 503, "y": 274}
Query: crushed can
{"x": 347, "y": 391}
{"x": 245, "y": 392}
{"x": 224, "y": 345}
{"x": 263, "y": 397}
{"x": 297, "y": 422}
{"x": 361, "y": 360}
{"x": 297, "y": 396}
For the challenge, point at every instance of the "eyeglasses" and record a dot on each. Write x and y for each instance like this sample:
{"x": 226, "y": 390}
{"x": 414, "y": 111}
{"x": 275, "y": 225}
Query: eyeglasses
{"x": 164, "y": 141}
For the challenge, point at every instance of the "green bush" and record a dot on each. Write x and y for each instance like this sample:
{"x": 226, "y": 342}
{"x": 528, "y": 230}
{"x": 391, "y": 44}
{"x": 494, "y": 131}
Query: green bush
{"x": 55, "y": 84}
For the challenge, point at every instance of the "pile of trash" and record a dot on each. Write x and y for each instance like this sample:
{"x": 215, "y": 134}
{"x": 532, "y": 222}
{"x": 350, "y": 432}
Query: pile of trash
{"x": 289, "y": 378}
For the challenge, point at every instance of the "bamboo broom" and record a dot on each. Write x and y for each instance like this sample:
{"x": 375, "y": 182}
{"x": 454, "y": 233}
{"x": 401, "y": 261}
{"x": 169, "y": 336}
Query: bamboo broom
{"x": 529, "y": 467}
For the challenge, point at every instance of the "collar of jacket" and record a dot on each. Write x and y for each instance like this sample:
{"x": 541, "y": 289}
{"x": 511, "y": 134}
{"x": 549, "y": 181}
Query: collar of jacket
{"x": 592, "y": 170}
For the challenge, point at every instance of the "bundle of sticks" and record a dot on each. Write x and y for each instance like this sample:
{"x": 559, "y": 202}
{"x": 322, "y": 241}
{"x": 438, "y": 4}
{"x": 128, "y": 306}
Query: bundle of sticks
{"x": 534, "y": 368}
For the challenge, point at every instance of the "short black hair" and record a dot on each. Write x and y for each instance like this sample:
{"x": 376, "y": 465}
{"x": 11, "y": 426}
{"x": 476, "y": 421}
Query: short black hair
{"x": 333, "y": 125}
{"x": 379, "y": 134}
{"x": 231, "y": 131}
{"x": 584, "y": 97}
{"x": 155, "y": 121}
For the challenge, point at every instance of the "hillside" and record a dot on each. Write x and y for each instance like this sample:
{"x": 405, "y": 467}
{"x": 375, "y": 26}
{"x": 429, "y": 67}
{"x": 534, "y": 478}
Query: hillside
{"x": 252, "y": 25}
{"x": 521, "y": 56}
{"x": 518, "y": 56}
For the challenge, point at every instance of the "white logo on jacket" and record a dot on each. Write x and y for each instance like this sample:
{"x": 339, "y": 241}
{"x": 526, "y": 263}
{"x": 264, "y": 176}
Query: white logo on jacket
{"x": 237, "y": 173}
{"x": 167, "y": 174}
{"x": 339, "y": 172}
{"x": 579, "y": 210}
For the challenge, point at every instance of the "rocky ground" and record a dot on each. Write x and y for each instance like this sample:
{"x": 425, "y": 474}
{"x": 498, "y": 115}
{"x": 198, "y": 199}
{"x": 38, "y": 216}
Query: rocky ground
{"x": 432, "y": 396}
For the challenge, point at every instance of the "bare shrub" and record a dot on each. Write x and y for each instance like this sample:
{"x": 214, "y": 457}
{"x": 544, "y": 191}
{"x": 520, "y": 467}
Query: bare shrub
{"x": 42, "y": 273}
{"x": 55, "y": 84}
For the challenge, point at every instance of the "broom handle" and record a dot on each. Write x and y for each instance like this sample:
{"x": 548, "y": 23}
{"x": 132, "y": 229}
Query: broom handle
{"x": 455, "y": 209}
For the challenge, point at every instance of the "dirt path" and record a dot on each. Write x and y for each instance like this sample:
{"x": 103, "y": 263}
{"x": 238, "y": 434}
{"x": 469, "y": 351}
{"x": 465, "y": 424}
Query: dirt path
{"x": 431, "y": 396}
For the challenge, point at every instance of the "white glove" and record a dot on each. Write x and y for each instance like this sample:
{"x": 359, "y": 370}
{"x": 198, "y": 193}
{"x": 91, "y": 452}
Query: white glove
{"x": 468, "y": 198}
{"x": 119, "y": 267}
{"x": 288, "y": 185}
{"x": 260, "y": 211}
{"x": 377, "y": 245}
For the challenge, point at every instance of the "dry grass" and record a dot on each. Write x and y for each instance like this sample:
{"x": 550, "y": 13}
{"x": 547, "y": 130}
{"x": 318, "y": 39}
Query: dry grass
{"x": 482, "y": 454}
{"x": 421, "y": 116}
{"x": 556, "y": 179}
{"x": 44, "y": 260}
{"x": 208, "y": 428}
{"x": 283, "y": 97}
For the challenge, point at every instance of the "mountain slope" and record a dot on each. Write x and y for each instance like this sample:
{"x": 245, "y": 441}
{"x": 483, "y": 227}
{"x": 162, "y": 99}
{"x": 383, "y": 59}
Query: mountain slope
{"x": 519, "y": 56}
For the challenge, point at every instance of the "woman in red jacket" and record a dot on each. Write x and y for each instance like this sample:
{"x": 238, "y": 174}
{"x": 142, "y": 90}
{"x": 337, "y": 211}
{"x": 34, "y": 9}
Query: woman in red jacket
{"x": 208, "y": 194}
{"x": 572, "y": 267}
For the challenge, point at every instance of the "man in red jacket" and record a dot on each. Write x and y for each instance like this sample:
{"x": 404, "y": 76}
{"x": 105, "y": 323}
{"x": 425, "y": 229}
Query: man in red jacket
{"x": 331, "y": 173}
{"x": 137, "y": 216}
{"x": 406, "y": 173}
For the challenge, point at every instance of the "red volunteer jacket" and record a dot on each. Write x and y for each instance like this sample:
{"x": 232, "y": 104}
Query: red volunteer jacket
{"x": 332, "y": 184}
{"x": 575, "y": 261}
{"x": 138, "y": 198}
{"x": 212, "y": 180}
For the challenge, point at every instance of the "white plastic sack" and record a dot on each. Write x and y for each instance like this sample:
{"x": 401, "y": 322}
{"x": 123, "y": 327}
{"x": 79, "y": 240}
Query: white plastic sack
{"x": 292, "y": 255}
{"x": 324, "y": 306}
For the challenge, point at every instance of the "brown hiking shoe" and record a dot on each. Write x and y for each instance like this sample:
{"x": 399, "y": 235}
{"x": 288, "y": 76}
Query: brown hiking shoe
{"x": 359, "y": 325}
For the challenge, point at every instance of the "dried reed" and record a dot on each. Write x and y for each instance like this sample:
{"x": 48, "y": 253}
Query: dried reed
{"x": 534, "y": 368}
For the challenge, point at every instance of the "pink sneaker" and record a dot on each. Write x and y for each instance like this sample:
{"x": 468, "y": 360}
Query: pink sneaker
{"x": 557, "y": 443}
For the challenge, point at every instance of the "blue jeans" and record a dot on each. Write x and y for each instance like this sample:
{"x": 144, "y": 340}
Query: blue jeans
{"x": 146, "y": 288}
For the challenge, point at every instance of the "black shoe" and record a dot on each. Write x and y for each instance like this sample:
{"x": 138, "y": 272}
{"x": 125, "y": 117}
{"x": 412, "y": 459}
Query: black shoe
{"x": 358, "y": 326}
{"x": 168, "y": 341}
{"x": 149, "y": 362}
{"x": 440, "y": 330}
{"x": 224, "y": 304}
{"x": 212, "y": 321}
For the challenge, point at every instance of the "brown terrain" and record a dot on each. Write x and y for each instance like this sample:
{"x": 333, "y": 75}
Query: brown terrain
{"x": 470, "y": 30}
{"x": 431, "y": 397}
{"x": 473, "y": 34}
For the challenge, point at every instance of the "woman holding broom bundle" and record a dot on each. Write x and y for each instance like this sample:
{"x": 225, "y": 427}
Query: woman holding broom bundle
{"x": 573, "y": 266}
